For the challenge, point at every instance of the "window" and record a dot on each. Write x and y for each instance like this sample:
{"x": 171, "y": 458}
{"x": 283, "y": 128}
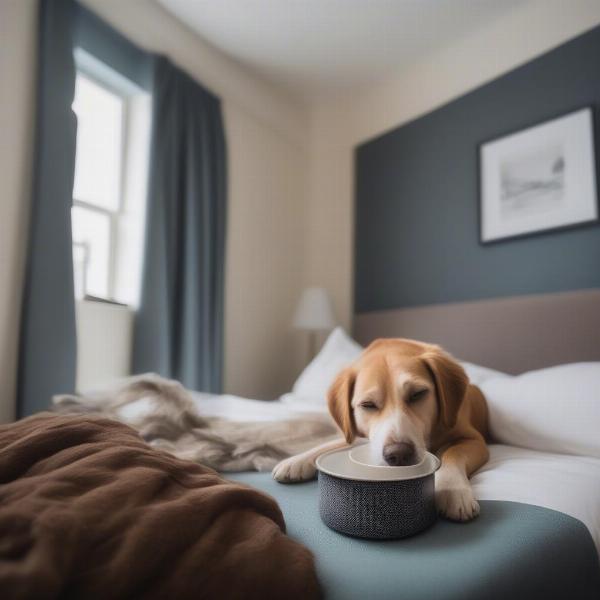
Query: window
{"x": 97, "y": 187}
{"x": 109, "y": 186}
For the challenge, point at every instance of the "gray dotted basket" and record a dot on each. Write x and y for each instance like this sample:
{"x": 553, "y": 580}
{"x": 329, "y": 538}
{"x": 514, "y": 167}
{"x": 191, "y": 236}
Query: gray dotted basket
{"x": 374, "y": 508}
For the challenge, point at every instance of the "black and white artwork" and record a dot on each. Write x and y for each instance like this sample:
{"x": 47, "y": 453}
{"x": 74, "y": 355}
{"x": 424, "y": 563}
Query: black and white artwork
{"x": 538, "y": 179}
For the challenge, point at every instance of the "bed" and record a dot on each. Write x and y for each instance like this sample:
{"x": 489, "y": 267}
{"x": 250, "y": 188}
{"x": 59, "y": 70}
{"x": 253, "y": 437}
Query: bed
{"x": 515, "y": 549}
{"x": 538, "y": 535}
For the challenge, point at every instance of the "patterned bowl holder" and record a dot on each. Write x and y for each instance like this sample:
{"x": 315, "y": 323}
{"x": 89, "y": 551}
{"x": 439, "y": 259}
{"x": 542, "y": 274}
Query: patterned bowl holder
{"x": 370, "y": 501}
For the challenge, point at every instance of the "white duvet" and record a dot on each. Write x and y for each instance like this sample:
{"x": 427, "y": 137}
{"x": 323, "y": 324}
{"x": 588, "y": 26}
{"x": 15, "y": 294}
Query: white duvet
{"x": 566, "y": 483}
{"x": 245, "y": 409}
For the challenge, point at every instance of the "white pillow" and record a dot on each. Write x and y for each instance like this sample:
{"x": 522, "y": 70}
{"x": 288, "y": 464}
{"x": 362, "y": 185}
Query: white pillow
{"x": 338, "y": 352}
{"x": 553, "y": 410}
{"x": 477, "y": 375}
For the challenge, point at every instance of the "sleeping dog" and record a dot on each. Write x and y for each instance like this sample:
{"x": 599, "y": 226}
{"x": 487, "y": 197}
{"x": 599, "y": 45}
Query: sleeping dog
{"x": 407, "y": 397}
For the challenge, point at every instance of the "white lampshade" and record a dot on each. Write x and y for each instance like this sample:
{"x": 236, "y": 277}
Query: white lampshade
{"x": 314, "y": 310}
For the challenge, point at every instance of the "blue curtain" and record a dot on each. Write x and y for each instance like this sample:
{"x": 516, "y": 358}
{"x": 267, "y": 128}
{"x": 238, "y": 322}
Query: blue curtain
{"x": 99, "y": 39}
{"x": 47, "y": 354}
{"x": 179, "y": 325}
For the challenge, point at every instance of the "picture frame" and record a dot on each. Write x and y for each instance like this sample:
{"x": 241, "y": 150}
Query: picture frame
{"x": 539, "y": 179}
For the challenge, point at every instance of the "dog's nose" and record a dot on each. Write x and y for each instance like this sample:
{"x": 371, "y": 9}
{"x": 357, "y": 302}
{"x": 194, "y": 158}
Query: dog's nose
{"x": 401, "y": 453}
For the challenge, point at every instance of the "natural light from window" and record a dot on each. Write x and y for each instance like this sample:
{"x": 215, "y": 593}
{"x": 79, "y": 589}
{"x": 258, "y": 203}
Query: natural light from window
{"x": 109, "y": 190}
{"x": 100, "y": 120}
{"x": 97, "y": 186}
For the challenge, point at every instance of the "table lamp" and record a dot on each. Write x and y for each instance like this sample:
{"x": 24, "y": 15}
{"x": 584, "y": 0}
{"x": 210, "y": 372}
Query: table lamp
{"x": 314, "y": 314}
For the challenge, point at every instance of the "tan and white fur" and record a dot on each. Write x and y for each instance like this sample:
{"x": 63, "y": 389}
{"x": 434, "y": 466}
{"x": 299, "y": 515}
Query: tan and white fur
{"x": 408, "y": 397}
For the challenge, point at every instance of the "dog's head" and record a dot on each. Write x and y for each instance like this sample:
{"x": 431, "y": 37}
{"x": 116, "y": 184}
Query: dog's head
{"x": 397, "y": 394}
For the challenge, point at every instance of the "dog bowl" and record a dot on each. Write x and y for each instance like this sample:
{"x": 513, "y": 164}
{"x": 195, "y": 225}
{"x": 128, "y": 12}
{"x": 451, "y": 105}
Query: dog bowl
{"x": 370, "y": 501}
{"x": 361, "y": 455}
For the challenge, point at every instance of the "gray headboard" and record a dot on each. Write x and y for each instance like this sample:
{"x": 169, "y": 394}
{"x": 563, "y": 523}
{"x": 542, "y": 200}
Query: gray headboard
{"x": 509, "y": 334}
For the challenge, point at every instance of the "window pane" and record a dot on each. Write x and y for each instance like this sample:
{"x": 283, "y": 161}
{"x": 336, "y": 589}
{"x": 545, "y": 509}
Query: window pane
{"x": 91, "y": 230}
{"x": 99, "y": 141}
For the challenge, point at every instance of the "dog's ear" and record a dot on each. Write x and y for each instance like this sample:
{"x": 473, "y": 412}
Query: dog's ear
{"x": 339, "y": 398}
{"x": 451, "y": 383}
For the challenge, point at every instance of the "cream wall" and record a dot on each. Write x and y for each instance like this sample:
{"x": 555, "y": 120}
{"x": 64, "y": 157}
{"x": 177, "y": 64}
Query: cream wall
{"x": 17, "y": 33}
{"x": 267, "y": 137}
{"x": 328, "y": 243}
{"x": 265, "y": 262}
{"x": 339, "y": 124}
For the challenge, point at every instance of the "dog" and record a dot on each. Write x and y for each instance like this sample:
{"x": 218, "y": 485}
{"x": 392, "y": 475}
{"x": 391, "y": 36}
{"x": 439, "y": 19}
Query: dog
{"x": 408, "y": 397}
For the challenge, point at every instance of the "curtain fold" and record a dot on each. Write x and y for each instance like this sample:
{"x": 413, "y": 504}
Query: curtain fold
{"x": 179, "y": 325}
{"x": 47, "y": 353}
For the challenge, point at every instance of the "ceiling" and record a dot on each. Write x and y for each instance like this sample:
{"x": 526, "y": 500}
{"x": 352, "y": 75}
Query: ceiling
{"x": 319, "y": 47}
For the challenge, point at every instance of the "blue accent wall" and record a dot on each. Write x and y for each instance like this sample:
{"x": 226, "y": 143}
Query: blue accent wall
{"x": 417, "y": 195}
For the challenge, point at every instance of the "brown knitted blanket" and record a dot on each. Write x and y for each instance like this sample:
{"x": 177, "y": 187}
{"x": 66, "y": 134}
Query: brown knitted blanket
{"x": 89, "y": 510}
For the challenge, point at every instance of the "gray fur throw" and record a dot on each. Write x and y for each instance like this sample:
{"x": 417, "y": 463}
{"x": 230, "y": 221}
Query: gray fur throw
{"x": 165, "y": 416}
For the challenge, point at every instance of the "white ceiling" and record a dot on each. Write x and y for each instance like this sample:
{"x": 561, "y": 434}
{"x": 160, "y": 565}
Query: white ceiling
{"x": 317, "y": 47}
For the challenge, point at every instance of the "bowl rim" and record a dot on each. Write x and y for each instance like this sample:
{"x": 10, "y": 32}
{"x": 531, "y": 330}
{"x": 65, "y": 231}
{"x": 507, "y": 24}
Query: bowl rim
{"x": 357, "y": 448}
{"x": 354, "y": 471}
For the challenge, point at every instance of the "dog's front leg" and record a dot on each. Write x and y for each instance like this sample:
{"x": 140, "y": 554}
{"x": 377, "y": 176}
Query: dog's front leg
{"x": 453, "y": 493}
{"x": 302, "y": 466}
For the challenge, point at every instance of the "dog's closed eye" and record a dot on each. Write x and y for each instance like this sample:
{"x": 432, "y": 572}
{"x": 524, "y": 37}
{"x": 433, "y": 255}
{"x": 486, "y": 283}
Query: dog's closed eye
{"x": 368, "y": 405}
{"x": 417, "y": 395}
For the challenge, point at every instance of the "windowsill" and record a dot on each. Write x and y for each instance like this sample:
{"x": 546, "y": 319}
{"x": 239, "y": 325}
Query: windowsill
{"x": 103, "y": 301}
{"x": 99, "y": 306}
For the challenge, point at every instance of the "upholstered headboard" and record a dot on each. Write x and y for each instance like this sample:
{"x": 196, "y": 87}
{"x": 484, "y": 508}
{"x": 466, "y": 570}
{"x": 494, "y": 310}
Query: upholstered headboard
{"x": 513, "y": 334}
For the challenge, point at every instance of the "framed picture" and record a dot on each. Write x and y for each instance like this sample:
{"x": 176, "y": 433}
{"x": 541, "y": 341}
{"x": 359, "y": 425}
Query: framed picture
{"x": 538, "y": 179}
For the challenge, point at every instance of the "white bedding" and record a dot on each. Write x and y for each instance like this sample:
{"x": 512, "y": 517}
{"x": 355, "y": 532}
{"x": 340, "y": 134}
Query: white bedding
{"x": 566, "y": 483}
{"x": 245, "y": 409}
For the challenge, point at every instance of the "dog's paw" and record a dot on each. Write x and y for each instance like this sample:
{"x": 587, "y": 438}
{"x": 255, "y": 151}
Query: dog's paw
{"x": 456, "y": 501}
{"x": 293, "y": 469}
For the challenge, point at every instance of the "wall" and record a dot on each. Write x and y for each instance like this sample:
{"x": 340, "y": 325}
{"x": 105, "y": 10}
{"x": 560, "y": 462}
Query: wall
{"x": 267, "y": 148}
{"x": 265, "y": 259}
{"x": 519, "y": 36}
{"x": 17, "y": 33}
{"x": 328, "y": 249}
{"x": 417, "y": 195}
